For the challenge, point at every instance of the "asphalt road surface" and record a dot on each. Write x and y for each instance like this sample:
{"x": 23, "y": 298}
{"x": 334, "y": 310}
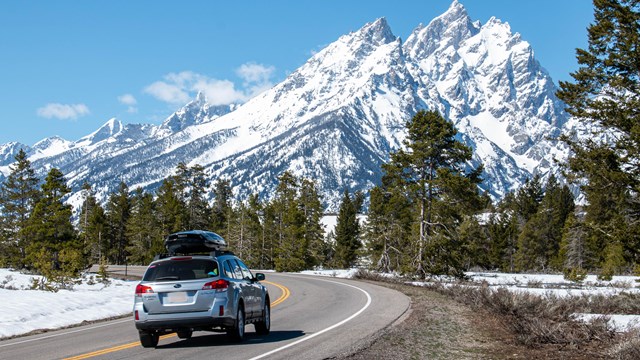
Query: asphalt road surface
{"x": 312, "y": 318}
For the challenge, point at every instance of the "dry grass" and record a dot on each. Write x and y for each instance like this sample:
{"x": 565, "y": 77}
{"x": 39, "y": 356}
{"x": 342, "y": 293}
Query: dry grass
{"x": 484, "y": 322}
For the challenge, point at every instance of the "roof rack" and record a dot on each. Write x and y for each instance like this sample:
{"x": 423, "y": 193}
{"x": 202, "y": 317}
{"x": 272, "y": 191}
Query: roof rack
{"x": 216, "y": 253}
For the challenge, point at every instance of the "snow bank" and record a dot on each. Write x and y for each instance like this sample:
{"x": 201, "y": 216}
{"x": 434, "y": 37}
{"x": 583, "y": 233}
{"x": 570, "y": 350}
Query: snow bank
{"x": 26, "y": 310}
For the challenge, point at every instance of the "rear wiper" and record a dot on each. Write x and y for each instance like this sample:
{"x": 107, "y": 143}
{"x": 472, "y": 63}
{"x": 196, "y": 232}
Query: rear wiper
{"x": 168, "y": 278}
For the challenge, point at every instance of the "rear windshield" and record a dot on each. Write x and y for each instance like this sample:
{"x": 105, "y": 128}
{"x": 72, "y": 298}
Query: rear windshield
{"x": 172, "y": 270}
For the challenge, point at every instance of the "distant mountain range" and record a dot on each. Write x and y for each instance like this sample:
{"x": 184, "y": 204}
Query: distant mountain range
{"x": 336, "y": 118}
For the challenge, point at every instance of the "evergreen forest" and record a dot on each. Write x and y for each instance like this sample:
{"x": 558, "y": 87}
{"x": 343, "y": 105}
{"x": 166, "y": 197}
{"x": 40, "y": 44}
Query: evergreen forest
{"x": 426, "y": 217}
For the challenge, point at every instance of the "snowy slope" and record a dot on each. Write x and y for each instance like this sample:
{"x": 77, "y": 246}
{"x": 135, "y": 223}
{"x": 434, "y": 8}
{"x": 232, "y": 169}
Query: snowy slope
{"x": 337, "y": 117}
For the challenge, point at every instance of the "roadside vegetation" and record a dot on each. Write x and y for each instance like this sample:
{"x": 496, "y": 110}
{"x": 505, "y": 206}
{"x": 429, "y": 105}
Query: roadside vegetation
{"x": 463, "y": 320}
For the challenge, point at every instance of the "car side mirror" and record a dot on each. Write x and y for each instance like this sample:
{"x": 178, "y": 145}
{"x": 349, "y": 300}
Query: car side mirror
{"x": 260, "y": 276}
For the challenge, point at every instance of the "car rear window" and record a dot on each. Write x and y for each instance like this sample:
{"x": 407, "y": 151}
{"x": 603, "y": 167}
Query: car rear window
{"x": 173, "y": 270}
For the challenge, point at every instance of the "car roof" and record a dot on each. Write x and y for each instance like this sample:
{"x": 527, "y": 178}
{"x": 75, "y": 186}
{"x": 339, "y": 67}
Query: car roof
{"x": 194, "y": 256}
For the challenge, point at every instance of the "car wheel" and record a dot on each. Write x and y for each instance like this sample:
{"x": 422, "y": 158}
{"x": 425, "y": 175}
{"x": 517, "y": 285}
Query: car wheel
{"x": 149, "y": 339}
{"x": 236, "y": 333}
{"x": 185, "y": 334}
{"x": 264, "y": 326}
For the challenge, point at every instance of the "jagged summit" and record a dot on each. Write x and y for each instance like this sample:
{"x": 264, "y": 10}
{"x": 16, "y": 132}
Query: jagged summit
{"x": 447, "y": 30}
{"x": 195, "y": 112}
{"x": 377, "y": 32}
{"x": 112, "y": 127}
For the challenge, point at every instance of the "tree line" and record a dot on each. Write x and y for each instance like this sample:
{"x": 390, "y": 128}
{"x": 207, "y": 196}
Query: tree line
{"x": 426, "y": 217}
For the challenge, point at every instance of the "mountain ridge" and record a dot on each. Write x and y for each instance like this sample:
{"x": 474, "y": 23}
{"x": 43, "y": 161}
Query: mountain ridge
{"x": 337, "y": 117}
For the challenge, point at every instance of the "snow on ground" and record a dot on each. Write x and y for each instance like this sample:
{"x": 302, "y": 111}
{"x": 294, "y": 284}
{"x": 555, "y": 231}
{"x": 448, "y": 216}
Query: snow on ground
{"x": 542, "y": 284}
{"x": 556, "y": 286}
{"x": 26, "y": 310}
{"x": 343, "y": 274}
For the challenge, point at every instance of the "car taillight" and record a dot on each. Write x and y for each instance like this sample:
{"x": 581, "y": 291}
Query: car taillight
{"x": 219, "y": 285}
{"x": 143, "y": 289}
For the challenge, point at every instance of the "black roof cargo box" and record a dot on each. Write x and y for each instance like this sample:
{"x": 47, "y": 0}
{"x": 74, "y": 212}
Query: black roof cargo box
{"x": 194, "y": 241}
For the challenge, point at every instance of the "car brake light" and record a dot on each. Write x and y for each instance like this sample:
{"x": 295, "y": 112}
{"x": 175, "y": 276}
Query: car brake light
{"x": 180, "y": 258}
{"x": 143, "y": 289}
{"x": 137, "y": 316}
{"x": 219, "y": 285}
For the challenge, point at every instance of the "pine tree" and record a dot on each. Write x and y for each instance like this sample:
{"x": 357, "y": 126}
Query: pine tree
{"x": 92, "y": 227}
{"x": 539, "y": 240}
{"x": 259, "y": 245}
{"x": 197, "y": 206}
{"x": 313, "y": 231}
{"x": 476, "y": 244}
{"x": 18, "y": 196}
{"x": 170, "y": 208}
{"x": 143, "y": 232}
{"x": 222, "y": 208}
{"x": 605, "y": 95}
{"x": 432, "y": 170}
{"x": 347, "y": 233}
{"x": 574, "y": 252}
{"x": 388, "y": 229}
{"x": 191, "y": 186}
{"x": 502, "y": 232}
{"x": 54, "y": 249}
{"x": 118, "y": 211}
{"x": 287, "y": 225}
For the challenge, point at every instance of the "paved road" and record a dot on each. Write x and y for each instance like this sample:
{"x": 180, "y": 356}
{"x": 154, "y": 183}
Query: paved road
{"x": 312, "y": 318}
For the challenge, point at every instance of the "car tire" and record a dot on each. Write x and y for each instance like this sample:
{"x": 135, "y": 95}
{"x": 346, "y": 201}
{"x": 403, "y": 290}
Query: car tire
{"x": 185, "y": 334}
{"x": 264, "y": 326}
{"x": 149, "y": 339}
{"x": 236, "y": 333}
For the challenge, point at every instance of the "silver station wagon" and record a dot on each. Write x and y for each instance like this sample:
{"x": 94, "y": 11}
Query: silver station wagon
{"x": 187, "y": 293}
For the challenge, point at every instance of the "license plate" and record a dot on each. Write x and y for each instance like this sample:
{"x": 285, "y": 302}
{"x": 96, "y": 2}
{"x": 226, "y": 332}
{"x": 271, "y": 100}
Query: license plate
{"x": 177, "y": 297}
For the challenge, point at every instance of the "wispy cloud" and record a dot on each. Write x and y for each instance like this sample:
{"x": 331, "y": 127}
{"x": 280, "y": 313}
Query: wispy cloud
{"x": 63, "y": 111}
{"x": 130, "y": 101}
{"x": 178, "y": 88}
{"x": 256, "y": 77}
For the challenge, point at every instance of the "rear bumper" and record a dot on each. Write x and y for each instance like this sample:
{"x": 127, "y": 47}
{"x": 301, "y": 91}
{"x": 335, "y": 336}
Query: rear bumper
{"x": 194, "y": 323}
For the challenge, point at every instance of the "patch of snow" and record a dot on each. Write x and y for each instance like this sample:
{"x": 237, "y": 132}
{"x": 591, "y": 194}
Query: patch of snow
{"x": 25, "y": 310}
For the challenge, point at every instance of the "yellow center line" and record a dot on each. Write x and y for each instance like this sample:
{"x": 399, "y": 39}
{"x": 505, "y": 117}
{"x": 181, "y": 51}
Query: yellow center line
{"x": 285, "y": 294}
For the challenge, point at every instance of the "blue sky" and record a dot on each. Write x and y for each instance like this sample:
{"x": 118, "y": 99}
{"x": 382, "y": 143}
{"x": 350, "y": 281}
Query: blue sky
{"x": 66, "y": 67}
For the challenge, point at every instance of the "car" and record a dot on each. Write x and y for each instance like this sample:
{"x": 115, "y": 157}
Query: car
{"x": 184, "y": 293}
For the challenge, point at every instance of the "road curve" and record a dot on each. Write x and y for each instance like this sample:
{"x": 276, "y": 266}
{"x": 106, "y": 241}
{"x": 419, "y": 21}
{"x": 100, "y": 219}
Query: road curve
{"x": 312, "y": 318}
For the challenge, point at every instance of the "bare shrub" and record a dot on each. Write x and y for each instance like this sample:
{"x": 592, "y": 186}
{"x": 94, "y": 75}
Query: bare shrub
{"x": 623, "y": 303}
{"x": 534, "y": 320}
{"x": 628, "y": 348}
{"x": 364, "y": 274}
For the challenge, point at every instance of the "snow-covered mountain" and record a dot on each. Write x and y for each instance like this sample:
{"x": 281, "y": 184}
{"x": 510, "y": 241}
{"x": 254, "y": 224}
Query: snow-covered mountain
{"x": 337, "y": 117}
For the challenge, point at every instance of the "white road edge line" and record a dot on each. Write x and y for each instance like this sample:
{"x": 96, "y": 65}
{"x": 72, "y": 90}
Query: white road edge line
{"x": 324, "y": 330}
{"x": 65, "y": 333}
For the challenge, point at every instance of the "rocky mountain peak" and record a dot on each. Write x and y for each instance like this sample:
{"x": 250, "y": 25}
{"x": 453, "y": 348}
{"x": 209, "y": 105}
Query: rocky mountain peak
{"x": 447, "y": 30}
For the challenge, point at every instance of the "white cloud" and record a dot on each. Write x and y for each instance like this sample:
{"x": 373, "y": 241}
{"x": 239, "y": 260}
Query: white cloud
{"x": 130, "y": 101}
{"x": 167, "y": 92}
{"x": 255, "y": 73}
{"x": 63, "y": 111}
{"x": 219, "y": 92}
{"x": 127, "y": 99}
{"x": 178, "y": 88}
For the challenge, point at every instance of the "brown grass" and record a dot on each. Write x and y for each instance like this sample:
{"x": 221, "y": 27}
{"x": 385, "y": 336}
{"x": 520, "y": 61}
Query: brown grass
{"x": 500, "y": 324}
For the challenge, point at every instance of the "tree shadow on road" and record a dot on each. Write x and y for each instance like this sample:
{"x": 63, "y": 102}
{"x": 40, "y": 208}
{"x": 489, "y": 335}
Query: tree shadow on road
{"x": 223, "y": 339}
